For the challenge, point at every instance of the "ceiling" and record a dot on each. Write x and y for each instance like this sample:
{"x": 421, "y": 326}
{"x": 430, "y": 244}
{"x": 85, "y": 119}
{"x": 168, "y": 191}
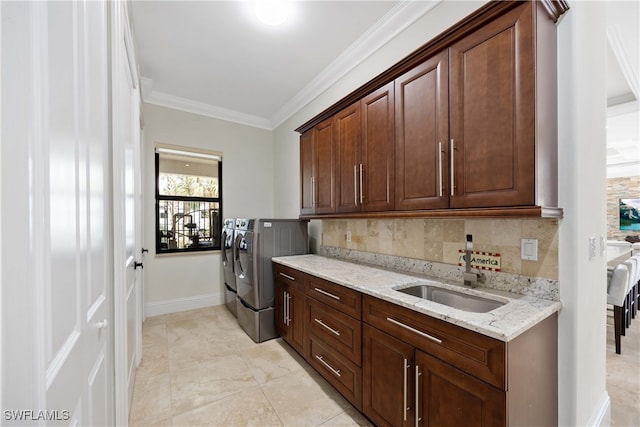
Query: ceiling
{"x": 216, "y": 59}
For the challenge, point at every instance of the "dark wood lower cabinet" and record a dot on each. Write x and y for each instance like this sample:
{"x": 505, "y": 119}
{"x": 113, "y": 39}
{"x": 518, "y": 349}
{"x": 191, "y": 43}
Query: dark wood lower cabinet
{"x": 386, "y": 380}
{"x": 404, "y": 368}
{"x": 448, "y": 397}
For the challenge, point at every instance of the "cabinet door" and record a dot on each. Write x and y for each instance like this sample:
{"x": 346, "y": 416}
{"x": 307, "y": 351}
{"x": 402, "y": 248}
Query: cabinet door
{"x": 387, "y": 382}
{"x": 282, "y": 324}
{"x": 377, "y": 179}
{"x": 422, "y": 135}
{"x": 307, "y": 179}
{"x": 323, "y": 167}
{"x": 447, "y": 397}
{"x": 492, "y": 113}
{"x": 289, "y": 313}
{"x": 347, "y": 137}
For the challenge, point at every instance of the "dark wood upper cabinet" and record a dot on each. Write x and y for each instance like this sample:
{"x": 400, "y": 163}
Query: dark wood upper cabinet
{"x": 492, "y": 132}
{"x": 422, "y": 134}
{"x": 317, "y": 148}
{"x": 307, "y": 203}
{"x": 378, "y": 152}
{"x": 348, "y": 160}
{"x": 464, "y": 126}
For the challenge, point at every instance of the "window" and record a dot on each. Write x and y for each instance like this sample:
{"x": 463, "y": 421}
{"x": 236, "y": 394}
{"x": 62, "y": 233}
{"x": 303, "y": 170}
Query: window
{"x": 188, "y": 200}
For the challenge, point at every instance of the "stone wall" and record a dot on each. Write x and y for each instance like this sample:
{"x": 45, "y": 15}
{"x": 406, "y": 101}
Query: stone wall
{"x": 620, "y": 188}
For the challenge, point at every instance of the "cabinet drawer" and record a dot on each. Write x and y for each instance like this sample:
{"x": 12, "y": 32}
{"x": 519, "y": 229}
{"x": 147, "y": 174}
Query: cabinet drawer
{"x": 341, "y": 373}
{"x": 289, "y": 275}
{"x": 339, "y": 331}
{"x": 474, "y": 353}
{"x": 342, "y": 299}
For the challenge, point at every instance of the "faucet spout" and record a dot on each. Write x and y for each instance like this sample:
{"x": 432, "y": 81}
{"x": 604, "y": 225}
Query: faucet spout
{"x": 470, "y": 279}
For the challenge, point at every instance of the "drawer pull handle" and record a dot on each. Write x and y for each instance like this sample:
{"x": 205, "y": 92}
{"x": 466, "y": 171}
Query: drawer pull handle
{"x": 286, "y": 276}
{"x": 335, "y": 371}
{"x": 439, "y": 341}
{"x": 329, "y": 328}
{"x": 327, "y": 294}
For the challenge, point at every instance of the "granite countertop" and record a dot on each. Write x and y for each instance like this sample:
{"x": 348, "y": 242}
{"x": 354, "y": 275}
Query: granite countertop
{"x": 503, "y": 323}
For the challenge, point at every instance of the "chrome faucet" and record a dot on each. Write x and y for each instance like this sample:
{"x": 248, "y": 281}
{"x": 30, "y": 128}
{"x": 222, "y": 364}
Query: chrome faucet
{"x": 470, "y": 278}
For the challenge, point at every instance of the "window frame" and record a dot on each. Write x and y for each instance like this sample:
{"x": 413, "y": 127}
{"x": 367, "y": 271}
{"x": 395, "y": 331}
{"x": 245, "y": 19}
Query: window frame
{"x": 159, "y": 198}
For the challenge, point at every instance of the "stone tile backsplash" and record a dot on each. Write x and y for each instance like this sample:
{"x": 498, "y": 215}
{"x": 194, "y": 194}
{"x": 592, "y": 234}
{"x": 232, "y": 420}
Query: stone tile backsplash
{"x": 438, "y": 240}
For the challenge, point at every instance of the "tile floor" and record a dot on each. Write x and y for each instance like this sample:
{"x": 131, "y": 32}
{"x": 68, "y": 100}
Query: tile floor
{"x": 623, "y": 375}
{"x": 200, "y": 369}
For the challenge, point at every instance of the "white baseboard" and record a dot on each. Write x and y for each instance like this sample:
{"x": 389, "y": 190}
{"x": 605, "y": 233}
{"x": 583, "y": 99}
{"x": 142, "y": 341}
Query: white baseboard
{"x": 602, "y": 414}
{"x": 183, "y": 304}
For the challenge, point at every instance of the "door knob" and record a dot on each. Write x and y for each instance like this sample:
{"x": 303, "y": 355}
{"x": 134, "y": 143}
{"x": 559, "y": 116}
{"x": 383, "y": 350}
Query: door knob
{"x": 103, "y": 324}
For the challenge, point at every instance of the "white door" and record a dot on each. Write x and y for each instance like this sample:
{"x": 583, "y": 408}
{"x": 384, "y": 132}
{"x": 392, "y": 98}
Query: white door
{"x": 57, "y": 124}
{"x": 127, "y": 216}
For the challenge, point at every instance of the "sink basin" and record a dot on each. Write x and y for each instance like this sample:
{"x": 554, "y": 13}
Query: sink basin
{"x": 452, "y": 299}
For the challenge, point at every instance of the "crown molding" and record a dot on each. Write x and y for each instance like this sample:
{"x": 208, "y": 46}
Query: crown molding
{"x": 391, "y": 24}
{"x": 208, "y": 110}
{"x": 618, "y": 47}
{"x": 626, "y": 108}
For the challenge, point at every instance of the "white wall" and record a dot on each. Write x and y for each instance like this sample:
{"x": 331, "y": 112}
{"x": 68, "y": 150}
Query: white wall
{"x": 185, "y": 281}
{"x": 582, "y": 192}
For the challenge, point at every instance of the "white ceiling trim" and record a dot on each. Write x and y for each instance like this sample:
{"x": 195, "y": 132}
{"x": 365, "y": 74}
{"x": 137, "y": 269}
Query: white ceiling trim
{"x": 626, "y": 108}
{"x": 394, "y": 22}
{"x": 391, "y": 24}
{"x": 195, "y": 107}
{"x": 617, "y": 43}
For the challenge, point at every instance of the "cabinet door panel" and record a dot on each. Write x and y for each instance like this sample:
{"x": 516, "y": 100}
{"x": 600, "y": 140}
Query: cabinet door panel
{"x": 448, "y": 397}
{"x": 386, "y": 363}
{"x": 306, "y": 173}
{"x": 422, "y": 134}
{"x": 492, "y": 113}
{"x": 324, "y": 167}
{"x": 378, "y": 150}
{"x": 347, "y": 136}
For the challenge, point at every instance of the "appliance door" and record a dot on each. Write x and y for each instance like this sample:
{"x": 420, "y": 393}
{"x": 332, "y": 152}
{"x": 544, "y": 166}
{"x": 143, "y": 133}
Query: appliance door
{"x": 228, "y": 246}
{"x": 247, "y": 273}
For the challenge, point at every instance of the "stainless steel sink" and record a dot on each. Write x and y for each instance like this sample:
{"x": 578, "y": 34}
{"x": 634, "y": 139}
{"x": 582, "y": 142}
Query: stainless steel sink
{"x": 453, "y": 299}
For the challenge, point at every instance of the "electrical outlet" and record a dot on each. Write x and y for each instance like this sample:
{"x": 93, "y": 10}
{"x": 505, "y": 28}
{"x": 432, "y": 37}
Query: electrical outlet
{"x": 348, "y": 235}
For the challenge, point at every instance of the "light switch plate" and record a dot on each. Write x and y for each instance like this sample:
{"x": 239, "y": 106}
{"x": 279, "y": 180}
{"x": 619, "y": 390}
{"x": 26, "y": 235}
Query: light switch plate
{"x": 529, "y": 249}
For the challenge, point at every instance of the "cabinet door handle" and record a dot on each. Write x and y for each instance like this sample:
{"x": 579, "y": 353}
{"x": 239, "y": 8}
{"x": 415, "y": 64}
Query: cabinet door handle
{"x": 452, "y": 155}
{"x": 361, "y": 187}
{"x": 327, "y": 294}
{"x": 286, "y": 276}
{"x": 313, "y": 199}
{"x": 432, "y": 338}
{"x": 355, "y": 185}
{"x": 331, "y": 368}
{"x": 404, "y": 389}
{"x": 417, "y": 405}
{"x": 284, "y": 308}
{"x": 288, "y": 308}
{"x": 329, "y": 328}
{"x": 440, "y": 169}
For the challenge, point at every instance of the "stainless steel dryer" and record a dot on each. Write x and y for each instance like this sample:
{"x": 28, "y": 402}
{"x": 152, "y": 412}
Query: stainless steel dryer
{"x": 257, "y": 241}
{"x": 227, "y": 256}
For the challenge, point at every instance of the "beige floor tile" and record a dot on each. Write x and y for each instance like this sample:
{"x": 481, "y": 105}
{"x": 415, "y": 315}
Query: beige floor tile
{"x": 155, "y": 361}
{"x": 270, "y": 360}
{"x": 349, "y": 418}
{"x": 302, "y": 398}
{"x": 151, "y": 401}
{"x": 154, "y": 335}
{"x": 208, "y": 381}
{"x": 249, "y": 407}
